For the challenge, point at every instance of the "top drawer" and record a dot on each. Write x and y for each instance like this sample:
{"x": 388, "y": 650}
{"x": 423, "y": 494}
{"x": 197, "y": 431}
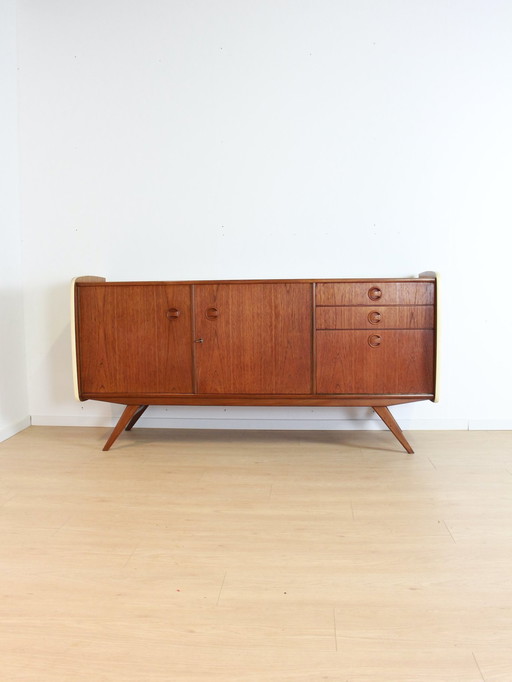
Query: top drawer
{"x": 383, "y": 293}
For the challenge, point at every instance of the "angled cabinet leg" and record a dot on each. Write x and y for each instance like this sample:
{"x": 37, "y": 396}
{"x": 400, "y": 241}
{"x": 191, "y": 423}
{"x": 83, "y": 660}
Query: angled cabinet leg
{"x": 136, "y": 417}
{"x": 124, "y": 420}
{"x": 392, "y": 425}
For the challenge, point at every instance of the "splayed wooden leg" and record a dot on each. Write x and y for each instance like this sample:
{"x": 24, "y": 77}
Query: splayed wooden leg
{"x": 124, "y": 420}
{"x": 392, "y": 425}
{"x": 136, "y": 417}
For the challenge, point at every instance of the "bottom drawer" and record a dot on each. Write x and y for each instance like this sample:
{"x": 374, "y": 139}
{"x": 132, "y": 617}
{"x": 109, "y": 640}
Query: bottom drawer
{"x": 383, "y": 362}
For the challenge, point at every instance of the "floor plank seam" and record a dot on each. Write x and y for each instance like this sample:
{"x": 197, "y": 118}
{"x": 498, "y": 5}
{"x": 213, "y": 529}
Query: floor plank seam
{"x": 221, "y": 588}
{"x": 335, "y": 629}
{"x": 478, "y": 666}
{"x": 451, "y": 535}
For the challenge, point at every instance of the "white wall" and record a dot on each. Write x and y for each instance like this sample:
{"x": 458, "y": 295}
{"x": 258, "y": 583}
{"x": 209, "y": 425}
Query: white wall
{"x": 225, "y": 139}
{"x": 13, "y": 375}
{"x": 14, "y": 413}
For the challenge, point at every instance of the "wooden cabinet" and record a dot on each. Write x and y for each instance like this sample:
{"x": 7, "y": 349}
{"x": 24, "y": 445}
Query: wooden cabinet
{"x": 279, "y": 342}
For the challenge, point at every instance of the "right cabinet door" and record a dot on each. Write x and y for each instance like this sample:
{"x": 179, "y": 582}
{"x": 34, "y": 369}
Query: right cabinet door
{"x": 253, "y": 338}
{"x": 380, "y": 361}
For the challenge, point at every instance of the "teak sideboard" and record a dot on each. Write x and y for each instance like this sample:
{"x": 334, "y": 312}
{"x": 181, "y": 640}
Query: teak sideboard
{"x": 343, "y": 342}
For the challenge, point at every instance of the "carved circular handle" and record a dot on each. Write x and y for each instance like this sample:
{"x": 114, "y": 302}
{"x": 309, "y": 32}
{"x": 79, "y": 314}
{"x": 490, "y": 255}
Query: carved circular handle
{"x": 173, "y": 313}
{"x": 374, "y": 293}
{"x": 374, "y": 317}
{"x": 212, "y": 314}
{"x": 374, "y": 340}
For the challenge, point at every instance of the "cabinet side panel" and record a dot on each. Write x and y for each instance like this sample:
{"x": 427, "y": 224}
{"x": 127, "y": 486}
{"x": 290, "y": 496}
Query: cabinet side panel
{"x": 74, "y": 329}
{"x": 129, "y": 344}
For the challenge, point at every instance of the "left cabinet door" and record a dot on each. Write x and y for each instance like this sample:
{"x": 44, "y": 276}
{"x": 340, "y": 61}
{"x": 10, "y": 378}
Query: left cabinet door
{"x": 134, "y": 338}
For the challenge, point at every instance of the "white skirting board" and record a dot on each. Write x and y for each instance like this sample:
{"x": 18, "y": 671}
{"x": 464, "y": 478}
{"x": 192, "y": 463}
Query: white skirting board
{"x": 280, "y": 424}
{"x": 490, "y": 424}
{"x": 12, "y": 429}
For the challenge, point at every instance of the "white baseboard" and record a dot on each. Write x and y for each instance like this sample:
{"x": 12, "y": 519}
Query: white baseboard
{"x": 259, "y": 424}
{"x": 490, "y": 425}
{"x": 44, "y": 420}
{"x": 12, "y": 429}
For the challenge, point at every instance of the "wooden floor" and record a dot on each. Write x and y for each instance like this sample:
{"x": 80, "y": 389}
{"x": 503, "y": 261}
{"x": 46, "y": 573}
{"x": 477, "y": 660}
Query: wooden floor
{"x": 255, "y": 556}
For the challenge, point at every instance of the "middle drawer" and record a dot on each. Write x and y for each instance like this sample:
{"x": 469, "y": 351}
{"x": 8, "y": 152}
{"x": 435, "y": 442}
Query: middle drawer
{"x": 374, "y": 317}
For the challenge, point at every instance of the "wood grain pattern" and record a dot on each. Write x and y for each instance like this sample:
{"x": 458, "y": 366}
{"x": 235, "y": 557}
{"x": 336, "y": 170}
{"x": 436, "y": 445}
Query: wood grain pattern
{"x": 389, "y": 317}
{"x": 127, "y": 343}
{"x": 259, "y": 341}
{"x": 250, "y": 556}
{"x": 74, "y": 325}
{"x": 403, "y": 362}
{"x": 393, "y": 293}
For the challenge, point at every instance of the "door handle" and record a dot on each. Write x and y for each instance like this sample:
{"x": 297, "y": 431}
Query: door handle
{"x": 212, "y": 313}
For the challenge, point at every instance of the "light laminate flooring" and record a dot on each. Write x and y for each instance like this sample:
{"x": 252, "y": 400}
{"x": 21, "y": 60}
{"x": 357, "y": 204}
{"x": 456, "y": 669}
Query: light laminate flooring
{"x": 255, "y": 556}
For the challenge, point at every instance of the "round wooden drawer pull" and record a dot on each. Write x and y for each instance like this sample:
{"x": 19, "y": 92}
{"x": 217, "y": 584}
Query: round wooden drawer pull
{"x": 374, "y": 317}
{"x": 374, "y": 293}
{"x": 173, "y": 313}
{"x": 374, "y": 340}
{"x": 212, "y": 314}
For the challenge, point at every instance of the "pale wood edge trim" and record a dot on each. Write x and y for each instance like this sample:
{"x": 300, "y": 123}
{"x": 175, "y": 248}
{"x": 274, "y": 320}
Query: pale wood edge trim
{"x": 437, "y": 322}
{"x": 88, "y": 278}
{"x": 74, "y": 361}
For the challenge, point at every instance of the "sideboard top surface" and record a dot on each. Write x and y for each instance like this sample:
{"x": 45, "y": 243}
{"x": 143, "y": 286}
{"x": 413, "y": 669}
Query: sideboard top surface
{"x": 253, "y": 281}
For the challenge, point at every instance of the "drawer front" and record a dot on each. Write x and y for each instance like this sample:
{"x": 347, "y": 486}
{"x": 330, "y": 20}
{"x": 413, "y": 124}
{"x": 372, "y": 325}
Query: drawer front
{"x": 380, "y": 362}
{"x": 375, "y": 317}
{"x": 381, "y": 293}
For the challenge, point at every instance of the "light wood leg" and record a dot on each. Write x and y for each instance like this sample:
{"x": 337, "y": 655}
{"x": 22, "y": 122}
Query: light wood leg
{"x": 392, "y": 425}
{"x": 124, "y": 420}
{"x": 136, "y": 417}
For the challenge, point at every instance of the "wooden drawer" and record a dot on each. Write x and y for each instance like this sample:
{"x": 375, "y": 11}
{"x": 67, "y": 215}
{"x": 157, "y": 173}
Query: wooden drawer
{"x": 383, "y": 362}
{"x": 375, "y": 317}
{"x": 381, "y": 293}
